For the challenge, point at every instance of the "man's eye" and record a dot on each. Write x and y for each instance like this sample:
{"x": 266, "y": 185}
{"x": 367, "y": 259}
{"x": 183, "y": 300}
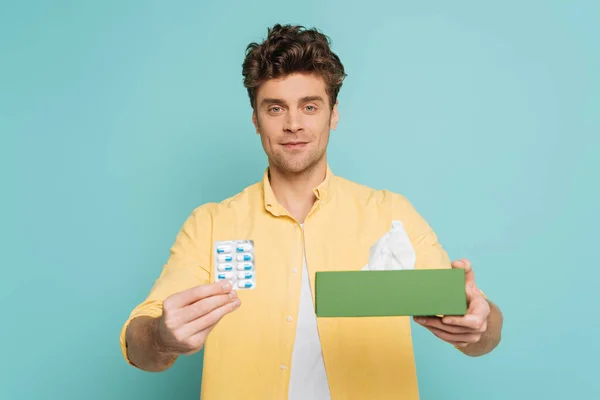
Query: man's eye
{"x": 310, "y": 108}
{"x": 275, "y": 109}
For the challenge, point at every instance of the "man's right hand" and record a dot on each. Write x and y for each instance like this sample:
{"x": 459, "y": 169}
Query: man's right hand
{"x": 189, "y": 316}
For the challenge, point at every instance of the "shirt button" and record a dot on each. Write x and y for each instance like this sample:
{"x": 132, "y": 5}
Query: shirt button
{"x": 295, "y": 270}
{"x": 283, "y": 367}
{"x": 289, "y": 319}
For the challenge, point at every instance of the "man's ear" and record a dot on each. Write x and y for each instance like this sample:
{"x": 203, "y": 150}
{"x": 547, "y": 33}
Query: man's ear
{"x": 335, "y": 116}
{"x": 255, "y": 122}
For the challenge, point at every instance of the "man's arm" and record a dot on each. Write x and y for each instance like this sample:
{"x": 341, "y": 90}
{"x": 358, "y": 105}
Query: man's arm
{"x": 153, "y": 344}
{"x": 188, "y": 266}
{"x": 478, "y": 331}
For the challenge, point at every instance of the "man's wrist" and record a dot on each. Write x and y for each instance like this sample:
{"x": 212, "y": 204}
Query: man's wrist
{"x": 159, "y": 346}
{"x": 490, "y": 339}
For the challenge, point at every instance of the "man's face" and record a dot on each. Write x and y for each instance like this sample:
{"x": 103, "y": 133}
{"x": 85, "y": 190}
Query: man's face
{"x": 293, "y": 119}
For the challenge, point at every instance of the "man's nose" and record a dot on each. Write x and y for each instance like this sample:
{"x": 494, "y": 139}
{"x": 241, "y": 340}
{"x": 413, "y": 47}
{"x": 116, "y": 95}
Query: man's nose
{"x": 293, "y": 122}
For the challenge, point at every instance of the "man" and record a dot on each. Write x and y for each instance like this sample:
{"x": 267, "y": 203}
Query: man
{"x": 266, "y": 342}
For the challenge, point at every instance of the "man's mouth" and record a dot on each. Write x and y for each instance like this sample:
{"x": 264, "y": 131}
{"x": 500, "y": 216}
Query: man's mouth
{"x": 294, "y": 145}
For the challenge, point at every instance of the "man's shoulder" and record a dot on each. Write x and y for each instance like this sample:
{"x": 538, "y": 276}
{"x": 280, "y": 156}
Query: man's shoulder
{"x": 246, "y": 198}
{"x": 368, "y": 194}
{"x": 382, "y": 200}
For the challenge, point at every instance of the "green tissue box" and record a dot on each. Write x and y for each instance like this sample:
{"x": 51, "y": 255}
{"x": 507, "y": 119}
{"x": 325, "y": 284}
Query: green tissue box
{"x": 390, "y": 293}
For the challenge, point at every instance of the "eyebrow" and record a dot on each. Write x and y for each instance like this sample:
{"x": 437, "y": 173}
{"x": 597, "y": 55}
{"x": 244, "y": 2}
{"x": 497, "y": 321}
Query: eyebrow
{"x": 306, "y": 99}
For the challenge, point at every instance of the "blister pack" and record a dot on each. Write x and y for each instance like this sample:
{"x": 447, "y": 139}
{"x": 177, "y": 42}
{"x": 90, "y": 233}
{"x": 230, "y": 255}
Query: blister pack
{"x": 234, "y": 262}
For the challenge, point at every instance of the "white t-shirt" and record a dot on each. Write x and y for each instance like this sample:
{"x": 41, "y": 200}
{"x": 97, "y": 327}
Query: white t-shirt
{"x": 308, "y": 379}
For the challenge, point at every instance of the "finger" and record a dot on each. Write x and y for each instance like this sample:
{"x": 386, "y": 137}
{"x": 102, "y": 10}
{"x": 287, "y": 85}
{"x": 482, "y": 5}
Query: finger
{"x": 438, "y": 323}
{"x": 206, "y": 305}
{"x": 472, "y": 291}
{"x": 210, "y": 319}
{"x": 189, "y": 296}
{"x": 470, "y": 286}
{"x": 455, "y": 337}
{"x": 479, "y": 306}
{"x": 472, "y": 321}
{"x": 424, "y": 320}
{"x": 460, "y": 344}
{"x": 466, "y": 265}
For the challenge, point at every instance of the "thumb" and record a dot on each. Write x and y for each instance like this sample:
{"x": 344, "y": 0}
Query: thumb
{"x": 466, "y": 265}
{"x": 472, "y": 290}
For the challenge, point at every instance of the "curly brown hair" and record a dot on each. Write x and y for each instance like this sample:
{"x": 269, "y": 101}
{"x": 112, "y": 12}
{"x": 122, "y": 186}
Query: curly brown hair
{"x": 292, "y": 49}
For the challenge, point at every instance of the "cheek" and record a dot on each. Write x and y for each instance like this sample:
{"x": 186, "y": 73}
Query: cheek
{"x": 269, "y": 131}
{"x": 321, "y": 128}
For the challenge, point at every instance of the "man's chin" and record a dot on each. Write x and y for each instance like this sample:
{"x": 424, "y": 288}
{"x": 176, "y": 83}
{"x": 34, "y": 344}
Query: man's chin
{"x": 294, "y": 166}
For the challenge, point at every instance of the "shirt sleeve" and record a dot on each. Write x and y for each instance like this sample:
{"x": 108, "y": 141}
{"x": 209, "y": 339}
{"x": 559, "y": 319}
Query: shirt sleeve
{"x": 429, "y": 252}
{"x": 188, "y": 265}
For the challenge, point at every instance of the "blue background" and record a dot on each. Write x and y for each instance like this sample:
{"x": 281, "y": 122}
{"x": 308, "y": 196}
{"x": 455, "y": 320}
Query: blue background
{"x": 118, "y": 118}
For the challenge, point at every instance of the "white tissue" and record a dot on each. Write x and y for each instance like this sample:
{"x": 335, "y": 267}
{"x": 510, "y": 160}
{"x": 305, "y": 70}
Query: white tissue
{"x": 393, "y": 251}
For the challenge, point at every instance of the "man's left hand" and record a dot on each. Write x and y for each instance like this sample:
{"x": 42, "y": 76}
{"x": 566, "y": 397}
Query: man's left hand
{"x": 461, "y": 331}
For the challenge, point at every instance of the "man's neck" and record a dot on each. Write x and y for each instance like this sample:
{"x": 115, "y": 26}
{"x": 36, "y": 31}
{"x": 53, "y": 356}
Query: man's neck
{"x": 295, "y": 191}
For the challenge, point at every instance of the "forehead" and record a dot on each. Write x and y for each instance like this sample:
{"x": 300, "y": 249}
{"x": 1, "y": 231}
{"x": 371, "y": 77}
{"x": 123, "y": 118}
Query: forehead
{"x": 292, "y": 87}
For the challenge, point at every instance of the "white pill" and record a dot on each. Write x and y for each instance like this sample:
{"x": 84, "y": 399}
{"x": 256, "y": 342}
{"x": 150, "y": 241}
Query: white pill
{"x": 224, "y": 275}
{"x": 243, "y": 247}
{"x": 244, "y": 266}
{"x": 244, "y": 284}
{"x": 244, "y": 257}
{"x": 224, "y": 249}
{"x": 224, "y": 258}
{"x": 225, "y": 267}
{"x": 244, "y": 275}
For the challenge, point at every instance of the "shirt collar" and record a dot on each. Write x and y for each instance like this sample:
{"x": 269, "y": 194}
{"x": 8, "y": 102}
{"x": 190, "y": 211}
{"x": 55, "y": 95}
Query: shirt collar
{"x": 322, "y": 192}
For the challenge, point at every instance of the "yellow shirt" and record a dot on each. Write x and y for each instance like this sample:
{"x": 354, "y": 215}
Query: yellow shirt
{"x": 248, "y": 354}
